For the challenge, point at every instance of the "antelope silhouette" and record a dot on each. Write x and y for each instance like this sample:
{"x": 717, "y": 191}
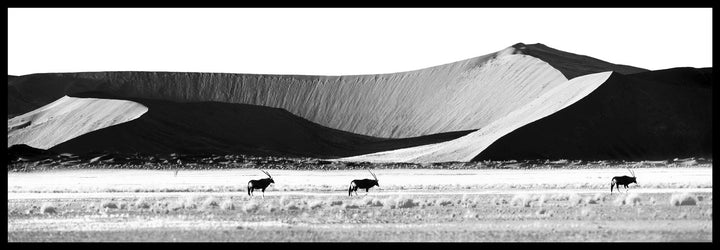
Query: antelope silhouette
{"x": 260, "y": 184}
{"x": 623, "y": 180}
{"x": 363, "y": 184}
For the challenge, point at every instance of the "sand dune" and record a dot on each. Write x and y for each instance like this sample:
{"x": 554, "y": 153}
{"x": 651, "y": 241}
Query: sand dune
{"x": 467, "y": 147}
{"x": 68, "y": 118}
{"x": 226, "y": 128}
{"x": 482, "y": 106}
{"x": 463, "y": 95}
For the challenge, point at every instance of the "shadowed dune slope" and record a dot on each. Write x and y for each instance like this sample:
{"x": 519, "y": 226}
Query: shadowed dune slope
{"x": 645, "y": 116}
{"x": 18, "y": 103}
{"x": 36, "y": 90}
{"x": 213, "y": 127}
{"x": 572, "y": 65}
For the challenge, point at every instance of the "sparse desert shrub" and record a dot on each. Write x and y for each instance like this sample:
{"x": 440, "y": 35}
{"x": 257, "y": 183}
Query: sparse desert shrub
{"x": 109, "y": 204}
{"x": 48, "y": 208}
{"x": 141, "y": 203}
{"x": 499, "y": 201}
{"x": 316, "y": 204}
{"x": 587, "y": 212}
{"x": 444, "y": 202}
{"x": 590, "y": 200}
{"x": 189, "y": 202}
{"x": 541, "y": 211}
{"x": 469, "y": 214}
{"x": 285, "y": 200}
{"x": 561, "y": 197}
{"x": 160, "y": 210}
{"x": 210, "y": 203}
{"x": 273, "y": 206}
{"x": 227, "y": 204}
{"x": 423, "y": 205}
{"x": 596, "y": 199}
{"x": 541, "y": 199}
{"x": 620, "y": 200}
{"x": 599, "y": 197}
{"x": 350, "y": 206}
{"x": 575, "y": 199}
{"x": 175, "y": 206}
{"x": 161, "y": 203}
{"x": 633, "y": 199}
{"x": 367, "y": 200}
{"x": 406, "y": 203}
{"x": 477, "y": 200}
{"x": 389, "y": 203}
{"x": 376, "y": 202}
{"x": 292, "y": 206}
{"x": 465, "y": 198}
{"x": 161, "y": 206}
{"x": 683, "y": 199}
{"x": 521, "y": 200}
{"x": 336, "y": 203}
{"x": 251, "y": 207}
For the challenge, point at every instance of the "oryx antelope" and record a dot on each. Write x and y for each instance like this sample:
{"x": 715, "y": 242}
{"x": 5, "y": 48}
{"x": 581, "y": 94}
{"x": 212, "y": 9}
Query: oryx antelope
{"x": 623, "y": 180}
{"x": 260, "y": 184}
{"x": 363, "y": 184}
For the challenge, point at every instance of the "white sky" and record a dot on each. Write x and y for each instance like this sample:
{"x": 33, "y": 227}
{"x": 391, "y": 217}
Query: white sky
{"x": 341, "y": 41}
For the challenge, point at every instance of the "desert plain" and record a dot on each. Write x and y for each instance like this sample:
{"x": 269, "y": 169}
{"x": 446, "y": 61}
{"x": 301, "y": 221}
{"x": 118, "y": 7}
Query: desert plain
{"x": 458, "y": 202}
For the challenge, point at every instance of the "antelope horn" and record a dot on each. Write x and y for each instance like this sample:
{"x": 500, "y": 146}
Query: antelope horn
{"x": 372, "y": 174}
{"x": 631, "y": 172}
{"x": 266, "y": 173}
